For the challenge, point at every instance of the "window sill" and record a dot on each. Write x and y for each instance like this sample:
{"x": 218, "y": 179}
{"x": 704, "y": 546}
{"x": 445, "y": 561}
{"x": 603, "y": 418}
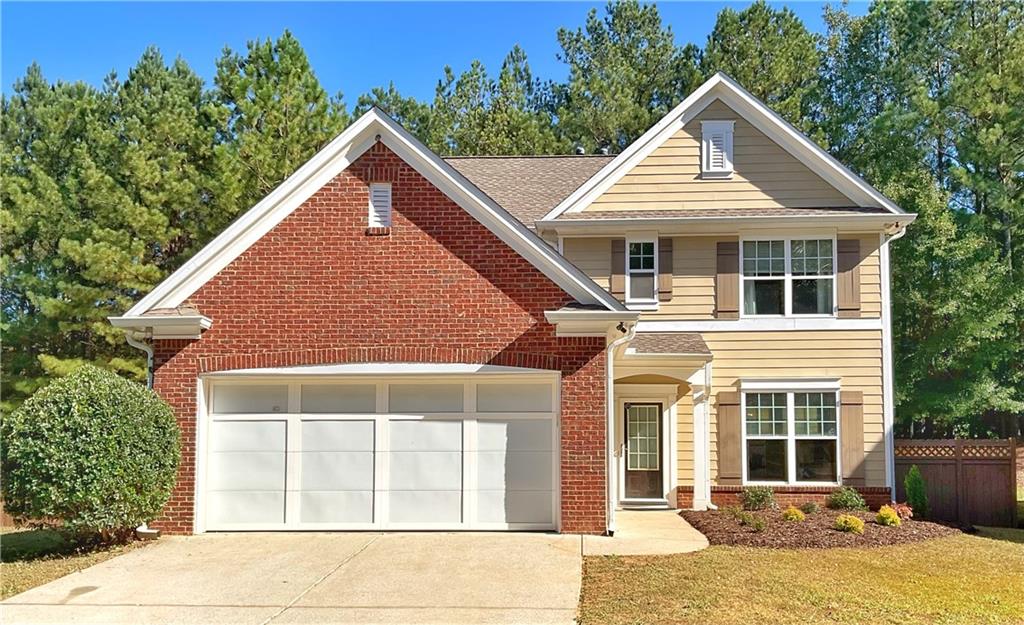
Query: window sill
{"x": 716, "y": 175}
{"x": 378, "y": 231}
{"x": 641, "y": 305}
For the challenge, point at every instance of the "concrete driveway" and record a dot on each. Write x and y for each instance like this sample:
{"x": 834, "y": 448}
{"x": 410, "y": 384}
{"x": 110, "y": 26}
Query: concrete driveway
{"x": 320, "y": 578}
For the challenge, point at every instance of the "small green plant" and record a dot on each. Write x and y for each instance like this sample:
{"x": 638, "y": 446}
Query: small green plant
{"x": 733, "y": 511}
{"x": 793, "y": 514}
{"x": 888, "y": 517}
{"x": 758, "y": 524}
{"x": 810, "y": 507}
{"x": 758, "y": 498}
{"x": 849, "y": 523}
{"x": 746, "y": 518}
{"x": 846, "y": 498}
{"x": 917, "y": 495}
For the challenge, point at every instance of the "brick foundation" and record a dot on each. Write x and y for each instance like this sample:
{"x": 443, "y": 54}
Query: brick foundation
{"x": 875, "y": 496}
{"x": 435, "y": 287}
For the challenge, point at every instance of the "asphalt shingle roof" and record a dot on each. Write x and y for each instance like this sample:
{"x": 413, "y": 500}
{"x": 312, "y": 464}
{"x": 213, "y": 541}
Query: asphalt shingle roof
{"x": 669, "y": 343}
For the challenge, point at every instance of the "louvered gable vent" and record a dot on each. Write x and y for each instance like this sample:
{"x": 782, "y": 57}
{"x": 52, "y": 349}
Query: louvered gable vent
{"x": 380, "y": 205}
{"x": 716, "y": 149}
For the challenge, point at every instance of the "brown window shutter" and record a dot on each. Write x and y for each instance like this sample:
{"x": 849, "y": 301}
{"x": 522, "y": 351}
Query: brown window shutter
{"x": 730, "y": 440}
{"x": 851, "y": 436}
{"x": 664, "y": 269}
{"x": 848, "y": 277}
{"x": 618, "y": 277}
{"x": 727, "y": 281}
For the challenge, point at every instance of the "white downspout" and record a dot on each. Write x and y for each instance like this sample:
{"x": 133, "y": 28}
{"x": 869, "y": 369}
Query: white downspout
{"x": 610, "y": 464}
{"x": 148, "y": 349}
{"x": 888, "y": 393}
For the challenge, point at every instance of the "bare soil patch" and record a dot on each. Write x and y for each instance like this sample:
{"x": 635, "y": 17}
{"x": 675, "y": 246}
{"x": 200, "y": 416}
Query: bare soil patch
{"x": 814, "y": 532}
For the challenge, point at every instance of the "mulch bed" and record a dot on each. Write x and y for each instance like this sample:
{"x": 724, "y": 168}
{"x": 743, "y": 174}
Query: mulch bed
{"x": 815, "y": 532}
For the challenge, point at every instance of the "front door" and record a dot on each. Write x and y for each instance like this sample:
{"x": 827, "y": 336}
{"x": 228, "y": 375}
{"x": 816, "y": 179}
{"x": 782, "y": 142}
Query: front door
{"x": 643, "y": 451}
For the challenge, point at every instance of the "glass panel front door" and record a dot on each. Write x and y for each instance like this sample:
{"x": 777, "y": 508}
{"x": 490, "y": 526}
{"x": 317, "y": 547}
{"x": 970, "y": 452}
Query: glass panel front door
{"x": 643, "y": 451}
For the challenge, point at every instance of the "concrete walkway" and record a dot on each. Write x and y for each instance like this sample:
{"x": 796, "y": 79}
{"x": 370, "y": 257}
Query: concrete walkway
{"x": 646, "y": 533}
{"x": 320, "y": 578}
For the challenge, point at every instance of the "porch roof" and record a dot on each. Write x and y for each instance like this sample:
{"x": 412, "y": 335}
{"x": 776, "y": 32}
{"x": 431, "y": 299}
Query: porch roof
{"x": 668, "y": 343}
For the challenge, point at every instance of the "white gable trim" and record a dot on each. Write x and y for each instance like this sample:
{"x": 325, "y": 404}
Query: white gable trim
{"x": 373, "y": 126}
{"x": 754, "y": 111}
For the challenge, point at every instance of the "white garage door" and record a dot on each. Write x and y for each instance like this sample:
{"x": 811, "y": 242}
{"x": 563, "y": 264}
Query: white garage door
{"x": 471, "y": 452}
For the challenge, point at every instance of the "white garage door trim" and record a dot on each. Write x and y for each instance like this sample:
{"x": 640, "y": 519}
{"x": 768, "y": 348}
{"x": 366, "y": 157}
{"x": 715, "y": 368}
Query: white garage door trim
{"x": 381, "y": 377}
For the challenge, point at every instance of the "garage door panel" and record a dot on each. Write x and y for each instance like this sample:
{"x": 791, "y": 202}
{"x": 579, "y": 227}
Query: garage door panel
{"x": 497, "y": 506}
{"x": 514, "y": 435}
{"x": 425, "y": 435}
{"x": 245, "y": 507}
{"x": 247, "y": 470}
{"x": 329, "y": 435}
{"x": 352, "y": 506}
{"x": 514, "y": 470}
{"x": 425, "y": 506}
{"x": 247, "y": 436}
{"x": 425, "y": 470}
{"x": 337, "y": 470}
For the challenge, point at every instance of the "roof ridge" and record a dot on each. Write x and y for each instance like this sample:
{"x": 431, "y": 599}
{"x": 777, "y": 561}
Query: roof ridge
{"x": 506, "y": 156}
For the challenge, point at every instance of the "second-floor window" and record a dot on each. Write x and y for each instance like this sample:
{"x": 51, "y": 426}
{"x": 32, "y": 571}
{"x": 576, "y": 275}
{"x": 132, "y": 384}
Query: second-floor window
{"x": 783, "y": 277}
{"x": 641, "y": 273}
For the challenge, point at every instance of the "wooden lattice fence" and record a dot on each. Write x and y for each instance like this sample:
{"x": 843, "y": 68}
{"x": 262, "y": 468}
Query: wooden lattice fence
{"x": 971, "y": 482}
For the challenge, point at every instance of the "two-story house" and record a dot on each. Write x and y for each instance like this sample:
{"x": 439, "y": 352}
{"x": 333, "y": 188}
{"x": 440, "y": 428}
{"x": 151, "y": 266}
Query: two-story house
{"x": 394, "y": 340}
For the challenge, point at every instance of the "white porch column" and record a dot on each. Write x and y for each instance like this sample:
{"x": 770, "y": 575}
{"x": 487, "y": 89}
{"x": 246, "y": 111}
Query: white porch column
{"x": 700, "y": 383}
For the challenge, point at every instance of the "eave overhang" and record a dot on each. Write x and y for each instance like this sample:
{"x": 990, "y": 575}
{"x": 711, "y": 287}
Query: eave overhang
{"x": 164, "y": 326}
{"x": 888, "y": 223}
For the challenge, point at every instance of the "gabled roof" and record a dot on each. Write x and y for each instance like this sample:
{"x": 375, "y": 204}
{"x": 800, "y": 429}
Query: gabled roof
{"x": 373, "y": 126}
{"x": 528, "y": 186}
{"x": 754, "y": 111}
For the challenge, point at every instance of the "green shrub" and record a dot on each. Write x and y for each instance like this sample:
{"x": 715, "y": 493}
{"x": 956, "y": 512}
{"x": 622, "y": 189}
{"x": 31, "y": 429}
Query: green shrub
{"x": 745, "y": 518}
{"x": 758, "y": 498}
{"x": 846, "y": 498}
{"x": 849, "y": 523}
{"x": 758, "y": 524}
{"x": 811, "y": 507}
{"x": 733, "y": 511}
{"x": 888, "y": 517}
{"x": 90, "y": 452}
{"x": 792, "y": 514}
{"x": 917, "y": 495}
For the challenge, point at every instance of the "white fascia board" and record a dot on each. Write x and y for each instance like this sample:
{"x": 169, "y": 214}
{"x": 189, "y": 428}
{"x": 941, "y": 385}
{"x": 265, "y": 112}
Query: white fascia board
{"x": 723, "y": 225}
{"x": 789, "y": 384}
{"x": 762, "y": 117}
{"x": 198, "y": 321}
{"x": 555, "y": 316}
{"x": 383, "y": 369}
{"x": 331, "y": 161}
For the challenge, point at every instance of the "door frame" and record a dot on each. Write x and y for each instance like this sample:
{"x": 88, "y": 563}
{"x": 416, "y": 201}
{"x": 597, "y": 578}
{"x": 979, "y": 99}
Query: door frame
{"x": 664, "y": 394}
{"x": 381, "y": 376}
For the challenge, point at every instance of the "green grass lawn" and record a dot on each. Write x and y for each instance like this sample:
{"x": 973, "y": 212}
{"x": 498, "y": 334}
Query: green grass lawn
{"x": 960, "y": 579}
{"x": 29, "y": 558}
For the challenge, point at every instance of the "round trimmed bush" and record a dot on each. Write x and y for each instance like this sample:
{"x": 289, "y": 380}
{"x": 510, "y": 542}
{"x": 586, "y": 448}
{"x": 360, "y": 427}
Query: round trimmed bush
{"x": 793, "y": 514}
{"x": 90, "y": 452}
{"x": 849, "y": 523}
{"x": 888, "y": 517}
{"x": 846, "y": 498}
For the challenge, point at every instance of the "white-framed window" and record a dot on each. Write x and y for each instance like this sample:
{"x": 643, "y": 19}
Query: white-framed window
{"x": 642, "y": 272}
{"x": 788, "y": 277}
{"x": 791, "y": 437}
{"x": 716, "y": 149}
{"x": 380, "y": 204}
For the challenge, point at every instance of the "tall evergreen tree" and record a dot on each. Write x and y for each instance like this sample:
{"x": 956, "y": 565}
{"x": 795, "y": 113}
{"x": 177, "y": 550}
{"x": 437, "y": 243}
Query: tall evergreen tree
{"x": 413, "y": 115}
{"x": 277, "y": 115}
{"x": 773, "y": 55}
{"x": 625, "y": 73}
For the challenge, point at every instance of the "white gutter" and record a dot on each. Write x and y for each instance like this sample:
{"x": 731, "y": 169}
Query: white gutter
{"x": 610, "y": 466}
{"x": 888, "y": 393}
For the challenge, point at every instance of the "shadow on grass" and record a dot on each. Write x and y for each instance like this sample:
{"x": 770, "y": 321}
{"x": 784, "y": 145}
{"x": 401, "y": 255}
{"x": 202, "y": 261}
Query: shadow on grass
{"x": 27, "y": 545}
{"x": 1002, "y": 533}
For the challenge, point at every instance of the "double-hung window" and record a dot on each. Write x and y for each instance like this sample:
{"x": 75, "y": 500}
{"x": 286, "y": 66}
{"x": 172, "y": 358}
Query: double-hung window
{"x": 788, "y": 277}
{"x": 641, "y": 273}
{"x": 791, "y": 437}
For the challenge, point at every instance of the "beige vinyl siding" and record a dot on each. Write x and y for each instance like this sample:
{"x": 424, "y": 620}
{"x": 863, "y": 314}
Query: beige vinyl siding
{"x": 684, "y": 439}
{"x": 853, "y": 356}
{"x": 765, "y": 175}
{"x": 693, "y": 282}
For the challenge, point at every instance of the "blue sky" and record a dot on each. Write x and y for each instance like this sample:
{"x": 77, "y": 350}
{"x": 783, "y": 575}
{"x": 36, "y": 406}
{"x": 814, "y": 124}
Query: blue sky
{"x": 352, "y": 47}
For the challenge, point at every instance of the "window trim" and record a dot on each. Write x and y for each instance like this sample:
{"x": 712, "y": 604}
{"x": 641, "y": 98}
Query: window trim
{"x": 790, "y": 437}
{"x": 788, "y": 277}
{"x": 642, "y": 303}
{"x": 707, "y": 128}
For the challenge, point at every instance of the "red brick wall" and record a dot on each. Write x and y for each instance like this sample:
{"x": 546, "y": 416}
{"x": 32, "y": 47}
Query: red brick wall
{"x": 875, "y": 496}
{"x": 436, "y": 287}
